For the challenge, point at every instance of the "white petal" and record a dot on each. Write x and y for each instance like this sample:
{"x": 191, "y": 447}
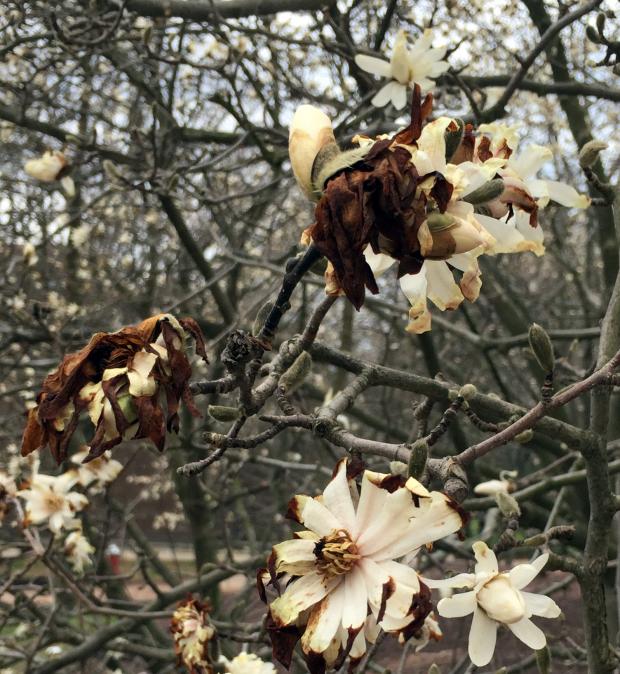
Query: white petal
{"x": 540, "y": 605}
{"x": 434, "y": 519}
{"x": 355, "y": 600}
{"x": 399, "y": 61}
{"x": 442, "y": 290}
{"x": 373, "y": 65}
{"x": 460, "y": 580}
{"x": 406, "y": 586}
{"x": 384, "y": 95}
{"x": 399, "y": 96}
{"x": 529, "y": 634}
{"x": 375, "y": 577}
{"x": 318, "y": 518}
{"x": 300, "y": 595}
{"x": 295, "y": 557}
{"x": 432, "y": 141}
{"x": 378, "y": 262}
{"x": 324, "y": 622}
{"x": 562, "y": 193}
{"x": 458, "y": 605}
{"x": 371, "y": 501}
{"x": 337, "y": 498}
{"x": 387, "y": 526}
{"x": 482, "y": 638}
{"x": 507, "y": 237}
{"x": 523, "y": 574}
{"x": 358, "y": 649}
{"x": 530, "y": 160}
{"x": 486, "y": 561}
{"x": 414, "y": 287}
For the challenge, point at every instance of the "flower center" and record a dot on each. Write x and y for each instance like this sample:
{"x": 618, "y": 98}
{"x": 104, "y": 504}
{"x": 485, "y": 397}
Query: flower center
{"x": 501, "y": 601}
{"x": 336, "y": 554}
{"x": 53, "y": 502}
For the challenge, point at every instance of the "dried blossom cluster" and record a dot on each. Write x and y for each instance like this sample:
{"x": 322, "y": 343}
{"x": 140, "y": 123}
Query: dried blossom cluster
{"x": 130, "y": 384}
{"x": 193, "y": 633}
{"x": 432, "y": 198}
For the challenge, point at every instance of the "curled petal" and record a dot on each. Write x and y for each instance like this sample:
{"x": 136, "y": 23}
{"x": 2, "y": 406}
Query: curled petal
{"x": 486, "y": 561}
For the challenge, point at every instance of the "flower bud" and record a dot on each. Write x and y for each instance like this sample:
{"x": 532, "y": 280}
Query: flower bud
{"x": 310, "y": 131}
{"x": 542, "y": 348}
{"x": 524, "y": 436}
{"x": 508, "y": 505}
{"x": 417, "y": 458}
{"x": 468, "y": 391}
{"x": 592, "y": 34}
{"x": 437, "y": 222}
{"x": 590, "y": 151}
{"x": 296, "y": 373}
{"x": 223, "y": 412}
{"x": 501, "y": 601}
{"x": 261, "y": 317}
{"x": 398, "y": 468}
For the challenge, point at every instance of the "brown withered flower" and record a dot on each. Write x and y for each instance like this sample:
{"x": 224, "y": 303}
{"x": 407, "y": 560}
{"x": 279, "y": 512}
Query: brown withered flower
{"x": 375, "y": 196}
{"x": 130, "y": 383}
{"x": 193, "y": 633}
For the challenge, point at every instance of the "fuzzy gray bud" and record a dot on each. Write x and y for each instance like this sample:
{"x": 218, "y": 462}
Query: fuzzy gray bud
{"x": 417, "y": 458}
{"x": 590, "y": 151}
{"x": 399, "y": 468}
{"x": 296, "y": 373}
{"x": 508, "y": 505}
{"x": 261, "y": 317}
{"x": 223, "y": 412}
{"x": 542, "y": 348}
{"x": 468, "y": 391}
{"x": 524, "y": 436}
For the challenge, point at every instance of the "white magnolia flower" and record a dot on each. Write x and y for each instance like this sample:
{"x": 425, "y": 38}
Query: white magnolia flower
{"x": 407, "y": 66}
{"x": 247, "y": 663}
{"x": 50, "y": 500}
{"x": 78, "y": 550}
{"x": 103, "y": 470}
{"x": 346, "y": 580}
{"x": 46, "y": 168}
{"x": 497, "y": 598}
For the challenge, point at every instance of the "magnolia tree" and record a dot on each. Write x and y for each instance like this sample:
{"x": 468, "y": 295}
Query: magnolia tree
{"x": 203, "y": 332}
